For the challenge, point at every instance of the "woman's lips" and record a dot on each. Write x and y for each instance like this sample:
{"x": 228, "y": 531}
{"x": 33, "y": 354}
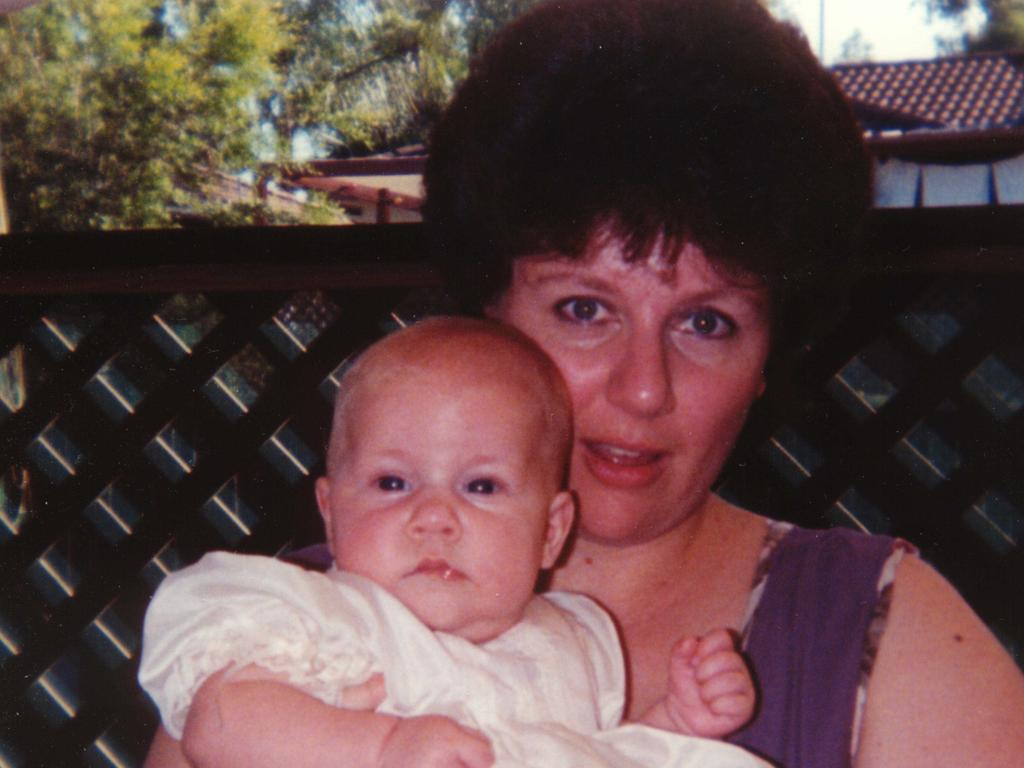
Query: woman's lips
{"x": 621, "y": 467}
{"x": 439, "y": 569}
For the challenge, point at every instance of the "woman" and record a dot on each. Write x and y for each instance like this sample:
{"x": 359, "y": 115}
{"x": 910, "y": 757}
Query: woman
{"x": 643, "y": 187}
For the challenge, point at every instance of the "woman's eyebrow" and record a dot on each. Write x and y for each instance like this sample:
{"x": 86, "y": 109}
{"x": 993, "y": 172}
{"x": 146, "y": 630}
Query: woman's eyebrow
{"x": 726, "y": 291}
{"x": 553, "y": 274}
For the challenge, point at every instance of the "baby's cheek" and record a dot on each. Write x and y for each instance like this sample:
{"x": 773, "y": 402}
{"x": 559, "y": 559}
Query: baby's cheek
{"x": 514, "y": 568}
{"x": 360, "y": 553}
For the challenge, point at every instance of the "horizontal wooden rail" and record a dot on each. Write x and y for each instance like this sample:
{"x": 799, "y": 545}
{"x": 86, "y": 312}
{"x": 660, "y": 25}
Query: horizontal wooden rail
{"x": 983, "y": 239}
{"x": 220, "y": 259}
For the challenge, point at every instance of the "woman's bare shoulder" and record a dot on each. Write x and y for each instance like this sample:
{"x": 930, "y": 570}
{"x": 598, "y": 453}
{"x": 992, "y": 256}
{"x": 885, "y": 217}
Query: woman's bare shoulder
{"x": 747, "y": 529}
{"x": 943, "y": 691}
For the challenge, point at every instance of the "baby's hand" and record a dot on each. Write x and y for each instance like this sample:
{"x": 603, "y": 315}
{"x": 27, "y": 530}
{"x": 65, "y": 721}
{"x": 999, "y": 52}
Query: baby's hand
{"x": 433, "y": 741}
{"x": 710, "y": 691}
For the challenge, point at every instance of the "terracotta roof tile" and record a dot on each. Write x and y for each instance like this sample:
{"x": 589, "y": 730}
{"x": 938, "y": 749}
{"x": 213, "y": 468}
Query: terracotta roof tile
{"x": 969, "y": 92}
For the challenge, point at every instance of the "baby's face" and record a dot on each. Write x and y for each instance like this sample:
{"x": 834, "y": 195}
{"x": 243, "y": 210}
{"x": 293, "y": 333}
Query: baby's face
{"x": 444, "y": 495}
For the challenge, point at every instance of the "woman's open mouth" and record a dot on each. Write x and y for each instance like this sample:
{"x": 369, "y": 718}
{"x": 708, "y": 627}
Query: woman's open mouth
{"x": 621, "y": 467}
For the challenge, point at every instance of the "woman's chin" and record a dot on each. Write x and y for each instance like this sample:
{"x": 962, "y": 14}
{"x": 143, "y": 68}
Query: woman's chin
{"x": 620, "y": 529}
{"x": 622, "y": 519}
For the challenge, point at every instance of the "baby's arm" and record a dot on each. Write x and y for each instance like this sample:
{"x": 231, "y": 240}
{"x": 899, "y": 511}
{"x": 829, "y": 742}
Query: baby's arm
{"x": 233, "y": 609}
{"x": 710, "y": 690}
{"x": 253, "y": 718}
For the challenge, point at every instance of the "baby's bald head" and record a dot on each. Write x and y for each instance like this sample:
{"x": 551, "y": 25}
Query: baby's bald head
{"x": 475, "y": 353}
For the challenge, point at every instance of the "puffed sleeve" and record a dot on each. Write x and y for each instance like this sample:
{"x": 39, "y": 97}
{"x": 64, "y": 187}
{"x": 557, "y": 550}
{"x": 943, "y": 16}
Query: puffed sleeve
{"x": 232, "y": 610}
{"x": 596, "y": 633}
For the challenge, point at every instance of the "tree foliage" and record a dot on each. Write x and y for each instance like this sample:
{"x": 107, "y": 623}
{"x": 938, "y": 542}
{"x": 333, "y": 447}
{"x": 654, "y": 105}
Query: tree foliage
{"x": 111, "y": 111}
{"x": 359, "y": 75}
{"x": 856, "y": 49}
{"x": 376, "y": 73}
{"x": 1004, "y": 22}
{"x": 114, "y": 113}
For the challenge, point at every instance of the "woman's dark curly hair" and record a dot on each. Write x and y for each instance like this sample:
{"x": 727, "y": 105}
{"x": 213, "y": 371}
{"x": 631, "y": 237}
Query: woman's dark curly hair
{"x": 657, "y": 120}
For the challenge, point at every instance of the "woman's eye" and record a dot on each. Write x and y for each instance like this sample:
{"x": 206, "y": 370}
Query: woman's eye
{"x": 483, "y": 485}
{"x": 391, "y": 483}
{"x": 709, "y": 324}
{"x": 581, "y": 309}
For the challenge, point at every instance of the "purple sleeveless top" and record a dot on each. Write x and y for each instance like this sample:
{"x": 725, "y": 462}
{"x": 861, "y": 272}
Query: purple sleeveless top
{"x": 808, "y": 644}
{"x": 806, "y": 640}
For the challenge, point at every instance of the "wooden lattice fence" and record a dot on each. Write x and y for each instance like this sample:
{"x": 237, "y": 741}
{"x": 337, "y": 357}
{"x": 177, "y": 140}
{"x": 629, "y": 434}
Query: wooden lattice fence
{"x": 149, "y": 414}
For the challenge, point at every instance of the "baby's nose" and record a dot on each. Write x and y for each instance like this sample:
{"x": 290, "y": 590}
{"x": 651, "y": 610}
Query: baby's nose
{"x": 434, "y": 516}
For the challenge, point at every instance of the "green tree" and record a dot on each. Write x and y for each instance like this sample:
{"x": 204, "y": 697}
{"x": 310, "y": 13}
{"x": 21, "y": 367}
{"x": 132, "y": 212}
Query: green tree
{"x": 113, "y": 112}
{"x": 485, "y": 17}
{"x": 364, "y": 75}
{"x": 372, "y": 74}
{"x": 1004, "y": 22}
{"x": 856, "y": 48}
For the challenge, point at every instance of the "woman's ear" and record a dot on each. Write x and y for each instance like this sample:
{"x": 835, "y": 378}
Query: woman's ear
{"x": 323, "y": 503}
{"x": 561, "y": 513}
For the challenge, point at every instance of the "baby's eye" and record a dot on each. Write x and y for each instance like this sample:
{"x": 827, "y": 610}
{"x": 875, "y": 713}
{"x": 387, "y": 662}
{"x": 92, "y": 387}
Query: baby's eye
{"x": 391, "y": 483}
{"x": 709, "y": 324}
{"x": 581, "y": 309}
{"x": 483, "y": 485}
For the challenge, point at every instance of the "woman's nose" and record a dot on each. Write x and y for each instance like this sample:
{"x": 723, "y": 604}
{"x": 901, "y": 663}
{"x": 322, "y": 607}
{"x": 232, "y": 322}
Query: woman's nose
{"x": 640, "y": 381}
{"x": 434, "y": 516}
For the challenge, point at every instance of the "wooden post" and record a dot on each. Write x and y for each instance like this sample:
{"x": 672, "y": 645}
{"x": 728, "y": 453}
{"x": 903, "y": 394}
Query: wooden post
{"x": 384, "y": 206}
{"x": 5, "y": 224}
{"x": 7, "y": 6}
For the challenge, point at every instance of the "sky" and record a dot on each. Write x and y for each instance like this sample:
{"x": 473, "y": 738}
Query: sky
{"x": 897, "y": 30}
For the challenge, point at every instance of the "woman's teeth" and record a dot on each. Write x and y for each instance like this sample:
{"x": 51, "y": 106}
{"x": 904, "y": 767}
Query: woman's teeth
{"x": 621, "y": 455}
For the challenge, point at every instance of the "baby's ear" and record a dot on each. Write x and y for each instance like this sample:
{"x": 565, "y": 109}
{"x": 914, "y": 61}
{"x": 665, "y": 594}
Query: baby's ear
{"x": 561, "y": 513}
{"x": 323, "y": 503}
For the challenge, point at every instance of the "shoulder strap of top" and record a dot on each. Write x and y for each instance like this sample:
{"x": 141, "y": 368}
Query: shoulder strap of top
{"x": 816, "y": 598}
{"x": 775, "y": 532}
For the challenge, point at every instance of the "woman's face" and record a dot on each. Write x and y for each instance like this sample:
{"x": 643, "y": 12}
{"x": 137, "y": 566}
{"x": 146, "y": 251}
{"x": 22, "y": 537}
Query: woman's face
{"x": 662, "y": 361}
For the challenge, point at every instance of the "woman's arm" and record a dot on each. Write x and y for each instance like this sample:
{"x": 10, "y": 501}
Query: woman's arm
{"x": 252, "y": 719}
{"x": 242, "y": 722}
{"x": 228, "y": 725}
{"x": 943, "y": 691}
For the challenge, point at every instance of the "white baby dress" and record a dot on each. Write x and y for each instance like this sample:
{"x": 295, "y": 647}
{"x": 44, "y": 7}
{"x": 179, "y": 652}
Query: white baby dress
{"x": 548, "y": 693}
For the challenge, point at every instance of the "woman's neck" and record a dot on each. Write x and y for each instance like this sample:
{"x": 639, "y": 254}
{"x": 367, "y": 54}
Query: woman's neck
{"x": 687, "y": 582}
{"x": 713, "y": 548}
{"x": 608, "y": 572}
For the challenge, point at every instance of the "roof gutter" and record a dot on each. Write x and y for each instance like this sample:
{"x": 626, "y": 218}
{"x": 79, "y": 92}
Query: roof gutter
{"x": 949, "y": 147}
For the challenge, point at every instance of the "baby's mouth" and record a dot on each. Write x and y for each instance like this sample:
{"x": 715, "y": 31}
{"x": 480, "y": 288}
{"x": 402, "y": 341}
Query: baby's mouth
{"x": 437, "y": 568}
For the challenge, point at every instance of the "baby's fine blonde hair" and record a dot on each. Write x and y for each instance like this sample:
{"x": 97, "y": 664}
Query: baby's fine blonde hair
{"x": 480, "y": 352}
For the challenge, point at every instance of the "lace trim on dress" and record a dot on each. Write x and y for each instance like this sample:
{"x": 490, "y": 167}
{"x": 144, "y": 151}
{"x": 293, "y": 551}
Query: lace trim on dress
{"x": 775, "y": 532}
{"x": 291, "y": 646}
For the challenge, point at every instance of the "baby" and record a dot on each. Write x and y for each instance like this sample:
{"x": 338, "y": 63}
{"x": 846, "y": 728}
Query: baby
{"x": 444, "y": 499}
